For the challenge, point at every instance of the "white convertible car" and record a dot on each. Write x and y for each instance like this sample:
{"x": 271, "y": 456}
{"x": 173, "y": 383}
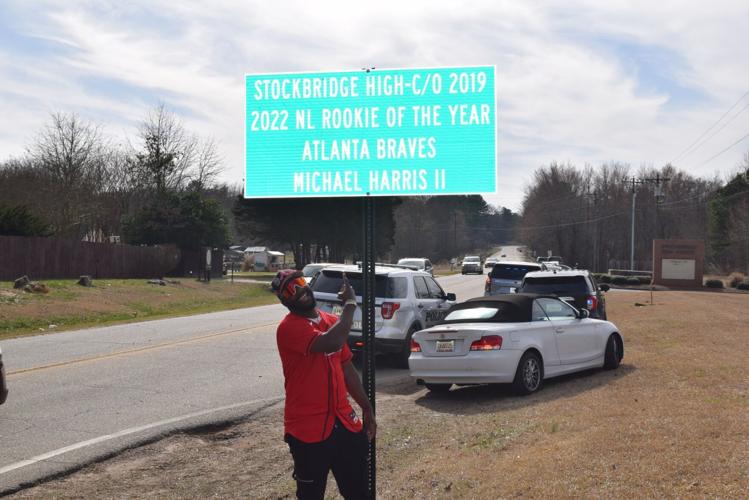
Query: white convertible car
{"x": 515, "y": 338}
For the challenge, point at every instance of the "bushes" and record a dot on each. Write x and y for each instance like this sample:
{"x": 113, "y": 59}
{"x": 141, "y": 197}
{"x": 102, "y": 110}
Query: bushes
{"x": 714, "y": 283}
{"x": 602, "y": 277}
{"x": 619, "y": 280}
{"x": 633, "y": 280}
{"x": 743, "y": 285}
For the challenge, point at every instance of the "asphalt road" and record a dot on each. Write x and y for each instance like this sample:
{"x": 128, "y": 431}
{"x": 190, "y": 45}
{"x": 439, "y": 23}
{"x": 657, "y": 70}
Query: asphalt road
{"x": 82, "y": 395}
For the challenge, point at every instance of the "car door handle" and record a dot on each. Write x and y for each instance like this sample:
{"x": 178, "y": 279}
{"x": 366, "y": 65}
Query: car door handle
{"x": 559, "y": 330}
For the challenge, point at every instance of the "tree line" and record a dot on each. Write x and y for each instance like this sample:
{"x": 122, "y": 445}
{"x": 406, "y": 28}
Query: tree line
{"x": 585, "y": 214}
{"x": 330, "y": 229}
{"x": 74, "y": 182}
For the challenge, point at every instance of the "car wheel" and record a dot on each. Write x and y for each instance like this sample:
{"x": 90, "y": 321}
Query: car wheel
{"x": 439, "y": 388}
{"x": 529, "y": 375}
{"x": 401, "y": 358}
{"x": 613, "y": 355}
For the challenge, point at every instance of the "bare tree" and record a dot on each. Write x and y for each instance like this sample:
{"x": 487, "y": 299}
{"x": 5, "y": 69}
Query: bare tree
{"x": 70, "y": 154}
{"x": 171, "y": 158}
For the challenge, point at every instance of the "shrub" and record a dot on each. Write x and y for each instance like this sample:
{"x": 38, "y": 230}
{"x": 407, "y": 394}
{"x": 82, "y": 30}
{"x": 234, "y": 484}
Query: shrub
{"x": 605, "y": 278}
{"x": 743, "y": 286}
{"x": 633, "y": 280}
{"x": 619, "y": 280}
{"x": 644, "y": 280}
{"x": 734, "y": 279}
{"x": 714, "y": 283}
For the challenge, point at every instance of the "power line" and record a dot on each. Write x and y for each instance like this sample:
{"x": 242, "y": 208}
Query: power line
{"x": 725, "y": 124}
{"x": 716, "y": 155}
{"x": 710, "y": 127}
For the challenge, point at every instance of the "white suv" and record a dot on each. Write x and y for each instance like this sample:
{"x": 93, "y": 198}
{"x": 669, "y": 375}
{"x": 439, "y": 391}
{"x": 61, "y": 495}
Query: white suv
{"x": 406, "y": 301}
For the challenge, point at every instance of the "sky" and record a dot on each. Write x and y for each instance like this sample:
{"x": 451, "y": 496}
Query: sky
{"x": 580, "y": 81}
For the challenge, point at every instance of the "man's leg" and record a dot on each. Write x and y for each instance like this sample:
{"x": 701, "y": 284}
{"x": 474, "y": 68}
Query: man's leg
{"x": 349, "y": 462}
{"x": 311, "y": 466}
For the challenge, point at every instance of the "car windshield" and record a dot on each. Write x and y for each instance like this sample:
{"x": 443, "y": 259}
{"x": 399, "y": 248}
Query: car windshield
{"x": 310, "y": 269}
{"x": 559, "y": 285}
{"x": 475, "y": 313}
{"x": 471, "y": 259}
{"x": 490, "y": 312}
{"x": 510, "y": 271}
{"x": 389, "y": 288}
{"x": 411, "y": 262}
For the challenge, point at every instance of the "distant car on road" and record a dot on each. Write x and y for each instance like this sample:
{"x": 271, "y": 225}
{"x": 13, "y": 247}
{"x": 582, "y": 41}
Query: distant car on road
{"x": 471, "y": 264}
{"x": 507, "y": 276}
{"x": 420, "y": 264}
{"x": 576, "y": 286}
{"x": 408, "y": 301}
{"x": 310, "y": 270}
{"x": 516, "y": 338}
{"x": 489, "y": 263}
{"x": 3, "y": 383}
{"x": 552, "y": 258}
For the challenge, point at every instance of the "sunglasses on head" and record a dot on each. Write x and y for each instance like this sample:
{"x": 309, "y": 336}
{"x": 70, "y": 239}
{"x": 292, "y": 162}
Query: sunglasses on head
{"x": 289, "y": 291}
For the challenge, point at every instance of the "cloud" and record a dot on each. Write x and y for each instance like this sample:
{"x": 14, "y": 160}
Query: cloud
{"x": 583, "y": 81}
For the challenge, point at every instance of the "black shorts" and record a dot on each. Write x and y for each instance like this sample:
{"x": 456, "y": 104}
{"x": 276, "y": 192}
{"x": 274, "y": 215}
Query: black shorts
{"x": 344, "y": 452}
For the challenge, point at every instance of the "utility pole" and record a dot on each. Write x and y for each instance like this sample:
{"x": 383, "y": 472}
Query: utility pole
{"x": 657, "y": 180}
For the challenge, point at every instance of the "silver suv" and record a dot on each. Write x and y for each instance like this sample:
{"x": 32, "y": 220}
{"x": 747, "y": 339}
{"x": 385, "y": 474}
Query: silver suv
{"x": 471, "y": 264}
{"x": 406, "y": 301}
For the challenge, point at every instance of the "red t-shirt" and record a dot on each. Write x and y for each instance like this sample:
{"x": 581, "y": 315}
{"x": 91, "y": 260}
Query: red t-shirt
{"x": 315, "y": 388}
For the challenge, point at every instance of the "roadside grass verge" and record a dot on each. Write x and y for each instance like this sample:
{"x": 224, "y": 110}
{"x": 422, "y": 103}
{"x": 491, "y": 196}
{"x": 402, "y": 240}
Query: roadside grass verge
{"x": 70, "y": 306}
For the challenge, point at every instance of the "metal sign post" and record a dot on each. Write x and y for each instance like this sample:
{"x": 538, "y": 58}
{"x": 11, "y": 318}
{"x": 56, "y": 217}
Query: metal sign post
{"x": 368, "y": 328}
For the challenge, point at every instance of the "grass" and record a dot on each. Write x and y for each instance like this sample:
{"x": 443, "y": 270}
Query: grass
{"x": 70, "y": 306}
{"x": 671, "y": 422}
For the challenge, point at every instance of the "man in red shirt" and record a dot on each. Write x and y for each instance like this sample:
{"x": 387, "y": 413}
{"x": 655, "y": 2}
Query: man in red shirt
{"x": 320, "y": 426}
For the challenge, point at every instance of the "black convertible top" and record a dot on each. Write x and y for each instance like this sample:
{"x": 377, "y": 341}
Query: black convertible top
{"x": 511, "y": 307}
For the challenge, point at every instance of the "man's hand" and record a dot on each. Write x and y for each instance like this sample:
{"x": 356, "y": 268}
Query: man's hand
{"x": 370, "y": 425}
{"x": 346, "y": 292}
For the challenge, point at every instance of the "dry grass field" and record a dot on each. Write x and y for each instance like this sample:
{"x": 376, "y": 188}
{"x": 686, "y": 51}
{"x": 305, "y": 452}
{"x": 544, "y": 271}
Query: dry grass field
{"x": 672, "y": 421}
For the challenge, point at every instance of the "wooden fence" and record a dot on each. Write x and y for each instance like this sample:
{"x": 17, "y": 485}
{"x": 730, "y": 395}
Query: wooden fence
{"x": 51, "y": 258}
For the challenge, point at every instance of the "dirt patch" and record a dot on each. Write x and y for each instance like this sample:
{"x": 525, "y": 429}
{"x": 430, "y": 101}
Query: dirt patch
{"x": 672, "y": 421}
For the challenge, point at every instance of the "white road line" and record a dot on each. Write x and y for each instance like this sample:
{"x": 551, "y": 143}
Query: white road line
{"x": 125, "y": 432}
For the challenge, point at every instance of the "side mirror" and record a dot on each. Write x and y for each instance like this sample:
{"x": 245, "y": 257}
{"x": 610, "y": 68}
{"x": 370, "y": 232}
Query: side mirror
{"x": 604, "y": 287}
{"x": 584, "y": 313}
{"x": 451, "y": 297}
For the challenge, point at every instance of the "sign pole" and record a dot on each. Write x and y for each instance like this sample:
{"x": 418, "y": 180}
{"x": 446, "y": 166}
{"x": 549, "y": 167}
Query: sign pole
{"x": 368, "y": 328}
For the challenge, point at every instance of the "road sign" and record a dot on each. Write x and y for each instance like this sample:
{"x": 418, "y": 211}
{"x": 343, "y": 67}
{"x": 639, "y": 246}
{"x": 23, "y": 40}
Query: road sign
{"x": 386, "y": 132}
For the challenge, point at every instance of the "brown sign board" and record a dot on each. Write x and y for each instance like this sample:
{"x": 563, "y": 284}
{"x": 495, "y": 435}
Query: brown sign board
{"x": 678, "y": 263}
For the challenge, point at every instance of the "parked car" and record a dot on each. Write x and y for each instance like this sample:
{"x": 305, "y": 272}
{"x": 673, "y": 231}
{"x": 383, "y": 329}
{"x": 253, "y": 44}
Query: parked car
{"x": 3, "y": 383}
{"x": 552, "y": 258}
{"x": 507, "y": 276}
{"x": 471, "y": 264}
{"x": 520, "y": 339}
{"x": 489, "y": 263}
{"x": 418, "y": 263}
{"x": 310, "y": 270}
{"x": 407, "y": 301}
{"x": 576, "y": 286}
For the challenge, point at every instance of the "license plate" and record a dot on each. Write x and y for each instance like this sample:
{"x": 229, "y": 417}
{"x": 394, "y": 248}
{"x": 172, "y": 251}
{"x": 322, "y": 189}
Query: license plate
{"x": 445, "y": 345}
{"x": 356, "y": 325}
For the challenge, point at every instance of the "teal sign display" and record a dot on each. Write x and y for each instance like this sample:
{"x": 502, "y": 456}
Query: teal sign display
{"x": 384, "y": 132}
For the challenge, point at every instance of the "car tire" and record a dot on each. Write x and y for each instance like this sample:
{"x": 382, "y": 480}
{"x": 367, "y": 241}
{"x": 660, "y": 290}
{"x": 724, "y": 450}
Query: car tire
{"x": 401, "y": 358}
{"x": 438, "y": 388}
{"x": 530, "y": 374}
{"x": 613, "y": 355}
